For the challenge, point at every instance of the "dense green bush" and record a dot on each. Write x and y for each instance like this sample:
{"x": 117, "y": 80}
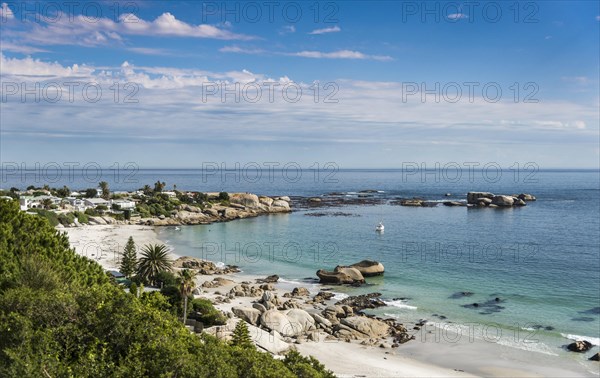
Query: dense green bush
{"x": 207, "y": 313}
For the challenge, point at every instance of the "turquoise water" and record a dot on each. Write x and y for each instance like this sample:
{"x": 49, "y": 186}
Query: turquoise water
{"x": 541, "y": 261}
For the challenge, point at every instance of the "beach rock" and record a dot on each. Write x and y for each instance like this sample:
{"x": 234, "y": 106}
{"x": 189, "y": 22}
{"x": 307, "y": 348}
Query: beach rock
{"x": 368, "y": 326}
{"x": 259, "y": 307}
{"x": 272, "y": 342}
{"x": 267, "y": 201}
{"x": 503, "y": 201}
{"x": 314, "y": 200}
{"x": 323, "y": 296}
{"x": 211, "y": 212}
{"x": 96, "y": 220}
{"x": 245, "y": 199}
{"x": 361, "y": 302}
{"x": 300, "y": 320}
{"x": 411, "y": 202}
{"x": 321, "y": 320}
{"x": 369, "y": 268}
{"x": 453, "y": 203}
{"x": 284, "y": 198}
{"x": 351, "y": 272}
{"x": 269, "y": 279}
{"x": 229, "y": 213}
{"x": 580, "y": 346}
{"x": 526, "y": 197}
{"x": 341, "y": 275}
{"x": 332, "y": 313}
{"x": 250, "y": 315}
{"x": 277, "y": 321}
{"x": 595, "y": 357}
{"x": 300, "y": 292}
{"x": 474, "y": 197}
{"x": 280, "y": 205}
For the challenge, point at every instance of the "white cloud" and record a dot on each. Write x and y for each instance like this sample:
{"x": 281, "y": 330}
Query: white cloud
{"x": 579, "y": 80}
{"x": 333, "y": 29}
{"x": 6, "y": 13}
{"x": 78, "y": 30}
{"x": 597, "y": 18}
{"x": 340, "y": 54}
{"x": 19, "y": 48}
{"x": 33, "y": 68}
{"x": 287, "y": 29}
{"x": 240, "y": 50}
{"x": 457, "y": 16}
{"x": 149, "y": 51}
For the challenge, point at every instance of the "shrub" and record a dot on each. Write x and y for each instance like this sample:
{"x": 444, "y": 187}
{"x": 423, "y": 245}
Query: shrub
{"x": 207, "y": 313}
{"x": 224, "y": 196}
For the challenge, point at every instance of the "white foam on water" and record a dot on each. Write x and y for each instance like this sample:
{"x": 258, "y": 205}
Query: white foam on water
{"x": 593, "y": 340}
{"x": 400, "y": 304}
{"x": 339, "y": 296}
{"x": 220, "y": 264}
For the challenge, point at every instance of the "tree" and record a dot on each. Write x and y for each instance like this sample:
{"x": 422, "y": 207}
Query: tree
{"x": 129, "y": 259}
{"x": 63, "y": 192}
{"x": 147, "y": 190}
{"x": 105, "y": 189}
{"x": 159, "y": 186}
{"x": 241, "y": 336}
{"x": 186, "y": 285}
{"x": 155, "y": 259}
{"x": 91, "y": 193}
{"x": 46, "y": 203}
{"x": 224, "y": 196}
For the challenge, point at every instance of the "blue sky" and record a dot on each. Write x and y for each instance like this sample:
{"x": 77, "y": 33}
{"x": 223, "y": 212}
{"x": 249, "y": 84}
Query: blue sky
{"x": 538, "y": 62}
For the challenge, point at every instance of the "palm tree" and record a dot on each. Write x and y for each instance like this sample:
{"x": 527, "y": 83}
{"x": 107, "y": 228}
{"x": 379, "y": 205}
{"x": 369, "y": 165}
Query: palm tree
{"x": 46, "y": 203}
{"x": 186, "y": 285}
{"x": 105, "y": 190}
{"x": 154, "y": 260}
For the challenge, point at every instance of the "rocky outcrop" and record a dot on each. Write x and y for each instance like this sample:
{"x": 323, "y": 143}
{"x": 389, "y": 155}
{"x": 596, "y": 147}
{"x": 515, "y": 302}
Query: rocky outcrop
{"x": 369, "y": 268}
{"x": 250, "y": 315}
{"x": 203, "y": 266}
{"x": 595, "y": 357}
{"x": 341, "y": 275}
{"x": 411, "y": 202}
{"x": 504, "y": 201}
{"x": 580, "y": 346}
{"x": 368, "y": 327}
{"x": 245, "y": 199}
{"x": 486, "y": 199}
{"x": 269, "y": 279}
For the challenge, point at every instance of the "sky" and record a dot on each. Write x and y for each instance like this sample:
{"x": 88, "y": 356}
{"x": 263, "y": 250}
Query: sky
{"x": 175, "y": 84}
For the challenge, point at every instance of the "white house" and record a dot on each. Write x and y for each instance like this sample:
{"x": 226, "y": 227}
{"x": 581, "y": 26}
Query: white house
{"x": 94, "y": 202}
{"x": 29, "y": 202}
{"x": 123, "y": 204}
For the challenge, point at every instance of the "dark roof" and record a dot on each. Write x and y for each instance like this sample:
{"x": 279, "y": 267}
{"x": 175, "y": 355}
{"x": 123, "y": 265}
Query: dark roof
{"x": 116, "y": 274}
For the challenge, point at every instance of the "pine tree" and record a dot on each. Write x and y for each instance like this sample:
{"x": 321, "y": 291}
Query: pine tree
{"x": 241, "y": 336}
{"x": 129, "y": 259}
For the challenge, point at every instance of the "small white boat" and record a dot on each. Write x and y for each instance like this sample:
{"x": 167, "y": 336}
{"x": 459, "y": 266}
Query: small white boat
{"x": 380, "y": 227}
{"x": 177, "y": 228}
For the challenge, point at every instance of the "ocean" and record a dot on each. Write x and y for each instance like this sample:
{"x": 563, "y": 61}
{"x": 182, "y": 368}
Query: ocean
{"x": 533, "y": 271}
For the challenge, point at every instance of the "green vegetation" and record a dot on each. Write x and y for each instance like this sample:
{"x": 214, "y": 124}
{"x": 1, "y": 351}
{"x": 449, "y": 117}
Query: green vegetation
{"x": 91, "y": 193}
{"x": 61, "y": 316}
{"x": 241, "y": 336}
{"x": 129, "y": 259}
{"x": 154, "y": 260}
{"x": 186, "y": 285}
{"x": 205, "y": 312}
{"x": 105, "y": 190}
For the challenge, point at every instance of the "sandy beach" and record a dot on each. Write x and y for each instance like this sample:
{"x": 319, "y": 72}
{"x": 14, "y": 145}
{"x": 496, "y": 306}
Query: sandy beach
{"x": 423, "y": 357}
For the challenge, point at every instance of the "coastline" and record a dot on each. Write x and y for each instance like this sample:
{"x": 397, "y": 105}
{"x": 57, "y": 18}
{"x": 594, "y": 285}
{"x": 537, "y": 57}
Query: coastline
{"x": 103, "y": 243}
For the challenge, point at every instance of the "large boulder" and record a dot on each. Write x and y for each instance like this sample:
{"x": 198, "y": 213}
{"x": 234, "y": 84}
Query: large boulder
{"x": 281, "y": 204}
{"x": 504, "y": 201}
{"x": 250, "y": 315}
{"x": 341, "y": 275}
{"x": 245, "y": 199}
{"x": 267, "y": 201}
{"x": 369, "y": 268}
{"x": 271, "y": 342}
{"x": 473, "y": 197}
{"x": 300, "y": 320}
{"x": 279, "y": 322}
{"x": 595, "y": 357}
{"x": 580, "y": 346}
{"x": 411, "y": 202}
{"x": 371, "y": 328}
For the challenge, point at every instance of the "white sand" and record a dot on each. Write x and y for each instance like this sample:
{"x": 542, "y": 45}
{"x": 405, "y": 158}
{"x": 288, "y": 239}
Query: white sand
{"x": 104, "y": 244}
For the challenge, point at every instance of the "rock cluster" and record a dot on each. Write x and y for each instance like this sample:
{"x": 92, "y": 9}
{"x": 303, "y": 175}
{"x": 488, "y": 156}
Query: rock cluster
{"x": 203, "y": 266}
{"x": 492, "y": 200}
{"x": 241, "y": 205}
{"x": 353, "y": 274}
{"x": 580, "y": 346}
